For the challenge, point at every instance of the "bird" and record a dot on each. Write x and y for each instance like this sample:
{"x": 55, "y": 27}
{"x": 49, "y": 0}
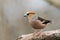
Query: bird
{"x": 37, "y": 23}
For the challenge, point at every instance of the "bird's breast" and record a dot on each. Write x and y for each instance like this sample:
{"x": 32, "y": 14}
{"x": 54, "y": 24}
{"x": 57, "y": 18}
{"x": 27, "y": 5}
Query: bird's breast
{"x": 36, "y": 25}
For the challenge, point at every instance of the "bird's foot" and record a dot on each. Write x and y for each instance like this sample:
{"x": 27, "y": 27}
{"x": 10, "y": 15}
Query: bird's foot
{"x": 36, "y": 34}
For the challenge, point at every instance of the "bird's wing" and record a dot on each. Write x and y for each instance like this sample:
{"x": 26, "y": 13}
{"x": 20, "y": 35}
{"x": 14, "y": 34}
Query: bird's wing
{"x": 45, "y": 21}
{"x": 41, "y": 19}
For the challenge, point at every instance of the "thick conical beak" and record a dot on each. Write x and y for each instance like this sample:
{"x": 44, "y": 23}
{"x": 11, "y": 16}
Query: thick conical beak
{"x": 25, "y": 15}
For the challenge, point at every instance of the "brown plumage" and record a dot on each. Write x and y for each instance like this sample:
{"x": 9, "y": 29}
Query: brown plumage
{"x": 35, "y": 21}
{"x": 38, "y": 22}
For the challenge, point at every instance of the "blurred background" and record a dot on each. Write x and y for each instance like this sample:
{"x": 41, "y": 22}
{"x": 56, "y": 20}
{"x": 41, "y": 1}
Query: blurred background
{"x": 12, "y": 23}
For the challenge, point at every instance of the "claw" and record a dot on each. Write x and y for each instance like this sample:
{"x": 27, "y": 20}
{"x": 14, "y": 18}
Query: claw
{"x": 36, "y": 34}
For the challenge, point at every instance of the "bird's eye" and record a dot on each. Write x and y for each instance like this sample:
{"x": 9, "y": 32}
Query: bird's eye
{"x": 27, "y": 14}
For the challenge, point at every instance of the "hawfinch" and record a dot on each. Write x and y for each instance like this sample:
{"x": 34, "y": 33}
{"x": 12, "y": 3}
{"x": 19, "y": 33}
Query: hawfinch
{"x": 36, "y": 22}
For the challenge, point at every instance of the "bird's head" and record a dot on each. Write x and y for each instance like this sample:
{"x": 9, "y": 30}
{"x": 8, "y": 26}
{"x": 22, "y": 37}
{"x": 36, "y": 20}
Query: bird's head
{"x": 29, "y": 15}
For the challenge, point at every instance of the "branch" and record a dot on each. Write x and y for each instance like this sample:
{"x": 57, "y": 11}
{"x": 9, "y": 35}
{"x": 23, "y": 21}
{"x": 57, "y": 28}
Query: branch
{"x": 47, "y": 35}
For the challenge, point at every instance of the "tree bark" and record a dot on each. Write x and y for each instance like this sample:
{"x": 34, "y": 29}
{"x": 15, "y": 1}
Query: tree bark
{"x": 47, "y": 35}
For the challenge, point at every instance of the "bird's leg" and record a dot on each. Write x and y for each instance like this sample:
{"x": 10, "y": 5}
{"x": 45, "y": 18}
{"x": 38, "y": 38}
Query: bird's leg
{"x": 37, "y": 33}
